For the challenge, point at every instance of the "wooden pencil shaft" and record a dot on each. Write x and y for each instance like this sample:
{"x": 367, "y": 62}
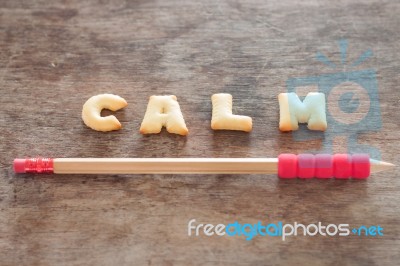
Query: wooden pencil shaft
{"x": 166, "y": 165}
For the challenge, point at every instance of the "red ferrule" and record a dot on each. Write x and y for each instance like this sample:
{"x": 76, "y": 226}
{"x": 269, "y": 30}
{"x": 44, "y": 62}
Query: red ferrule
{"x": 34, "y": 165}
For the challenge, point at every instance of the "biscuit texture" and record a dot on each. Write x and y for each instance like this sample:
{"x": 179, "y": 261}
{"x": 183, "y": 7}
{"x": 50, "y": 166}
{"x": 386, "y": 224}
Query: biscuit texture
{"x": 92, "y": 108}
{"x": 222, "y": 117}
{"x": 293, "y": 111}
{"x": 163, "y": 111}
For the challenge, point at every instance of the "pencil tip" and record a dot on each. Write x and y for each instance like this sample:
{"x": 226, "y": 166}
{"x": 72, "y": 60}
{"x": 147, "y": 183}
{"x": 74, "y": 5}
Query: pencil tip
{"x": 379, "y": 166}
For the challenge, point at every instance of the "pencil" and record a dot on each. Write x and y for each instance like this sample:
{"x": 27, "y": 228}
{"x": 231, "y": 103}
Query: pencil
{"x": 286, "y": 166}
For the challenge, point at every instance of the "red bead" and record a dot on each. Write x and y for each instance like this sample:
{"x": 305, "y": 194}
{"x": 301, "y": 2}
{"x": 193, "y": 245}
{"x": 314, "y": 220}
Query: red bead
{"x": 342, "y": 166}
{"x": 323, "y": 166}
{"x": 287, "y": 165}
{"x": 361, "y": 166}
{"x": 306, "y": 166}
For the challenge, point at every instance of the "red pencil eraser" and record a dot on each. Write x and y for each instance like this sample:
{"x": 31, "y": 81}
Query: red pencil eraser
{"x": 19, "y": 166}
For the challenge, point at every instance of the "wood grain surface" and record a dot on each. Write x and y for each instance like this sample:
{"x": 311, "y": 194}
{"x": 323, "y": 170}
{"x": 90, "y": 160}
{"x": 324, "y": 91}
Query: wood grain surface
{"x": 54, "y": 55}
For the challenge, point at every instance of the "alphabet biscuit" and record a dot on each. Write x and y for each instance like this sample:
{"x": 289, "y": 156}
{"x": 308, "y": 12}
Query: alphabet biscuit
{"x": 293, "y": 111}
{"x": 92, "y": 108}
{"x": 222, "y": 117}
{"x": 163, "y": 111}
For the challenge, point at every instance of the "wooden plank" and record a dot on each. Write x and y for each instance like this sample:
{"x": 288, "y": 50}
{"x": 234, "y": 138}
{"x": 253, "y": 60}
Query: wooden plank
{"x": 54, "y": 56}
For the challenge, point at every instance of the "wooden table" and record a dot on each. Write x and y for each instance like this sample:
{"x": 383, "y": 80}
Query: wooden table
{"x": 54, "y": 56}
